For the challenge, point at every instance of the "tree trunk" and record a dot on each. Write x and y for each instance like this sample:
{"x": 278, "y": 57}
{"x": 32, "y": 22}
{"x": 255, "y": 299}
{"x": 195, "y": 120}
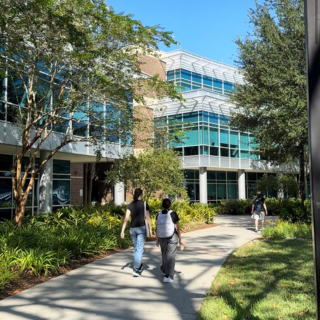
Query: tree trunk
{"x": 20, "y": 209}
{"x": 302, "y": 183}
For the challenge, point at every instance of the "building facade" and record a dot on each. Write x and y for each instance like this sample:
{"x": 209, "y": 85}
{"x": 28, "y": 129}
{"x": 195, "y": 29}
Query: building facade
{"x": 219, "y": 161}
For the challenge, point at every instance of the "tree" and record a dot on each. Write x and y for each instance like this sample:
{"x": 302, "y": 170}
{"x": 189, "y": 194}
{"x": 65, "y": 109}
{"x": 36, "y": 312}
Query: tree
{"x": 272, "y": 104}
{"x": 65, "y": 60}
{"x": 153, "y": 170}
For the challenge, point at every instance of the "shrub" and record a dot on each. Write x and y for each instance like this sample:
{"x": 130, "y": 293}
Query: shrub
{"x": 285, "y": 229}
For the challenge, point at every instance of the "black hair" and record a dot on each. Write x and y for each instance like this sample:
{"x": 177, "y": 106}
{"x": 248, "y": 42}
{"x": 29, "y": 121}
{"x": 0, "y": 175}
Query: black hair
{"x": 166, "y": 203}
{"x": 137, "y": 194}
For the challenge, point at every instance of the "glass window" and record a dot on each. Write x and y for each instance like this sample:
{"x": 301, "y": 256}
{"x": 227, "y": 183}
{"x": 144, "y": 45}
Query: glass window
{"x": 252, "y": 143}
{"x": 224, "y": 152}
{"x": 244, "y": 155}
{"x": 16, "y": 93}
{"x": 212, "y": 192}
{"x": 191, "y": 136}
{"x": 224, "y": 138}
{"x": 207, "y": 81}
{"x": 211, "y": 175}
{"x": 178, "y": 73}
{"x": 224, "y": 121}
{"x": 185, "y": 86}
{"x": 160, "y": 122}
{"x": 227, "y": 87}
{"x": 196, "y": 77}
{"x": 214, "y": 139}
{"x": 244, "y": 141}
{"x": 252, "y": 176}
{"x": 170, "y": 75}
{"x": 190, "y": 117}
{"x": 79, "y": 128}
{"x": 254, "y": 156}
{"x": 204, "y": 135}
{"x": 204, "y": 150}
{"x": 232, "y": 175}
{"x": 234, "y": 153}
{"x": 190, "y": 190}
{"x": 5, "y": 193}
{"x": 232, "y": 191}
{"x": 221, "y": 191}
{"x": 213, "y": 118}
{"x": 61, "y": 192}
{"x": 234, "y": 139}
{"x": 195, "y": 86}
{"x": 221, "y": 175}
{"x": 189, "y": 174}
{"x": 204, "y": 116}
{"x": 5, "y": 214}
{"x": 178, "y": 150}
{"x": 185, "y": 74}
{"x": 191, "y": 151}
{"x": 175, "y": 118}
{"x": 214, "y": 151}
{"x": 61, "y": 166}
{"x": 217, "y": 85}
{"x": 6, "y": 162}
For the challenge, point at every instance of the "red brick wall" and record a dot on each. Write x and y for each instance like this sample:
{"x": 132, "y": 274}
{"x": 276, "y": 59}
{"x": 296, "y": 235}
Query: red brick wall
{"x": 76, "y": 183}
{"x": 153, "y": 66}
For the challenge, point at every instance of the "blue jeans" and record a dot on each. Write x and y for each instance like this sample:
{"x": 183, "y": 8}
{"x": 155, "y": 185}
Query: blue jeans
{"x": 138, "y": 237}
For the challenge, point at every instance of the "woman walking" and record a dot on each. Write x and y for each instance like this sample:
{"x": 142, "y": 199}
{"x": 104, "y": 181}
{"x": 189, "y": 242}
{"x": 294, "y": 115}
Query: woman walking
{"x": 138, "y": 210}
{"x": 259, "y": 210}
{"x": 168, "y": 236}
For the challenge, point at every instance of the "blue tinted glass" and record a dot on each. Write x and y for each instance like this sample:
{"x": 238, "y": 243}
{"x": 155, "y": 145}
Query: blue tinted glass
{"x": 191, "y": 136}
{"x": 170, "y": 75}
{"x": 254, "y": 156}
{"x": 217, "y": 84}
{"x": 207, "y": 81}
{"x": 224, "y": 138}
{"x": 213, "y": 118}
{"x": 234, "y": 139}
{"x": 185, "y": 86}
{"x": 196, "y": 77}
{"x": 185, "y": 74}
{"x": 204, "y": 137}
{"x": 227, "y": 86}
{"x": 190, "y": 117}
{"x": 204, "y": 116}
{"x": 244, "y": 155}
{"x": 214, "y": 139}
{"x": 160, "y": 122}
{"x": 195, "y": 86}
{"x": 221, "y": 191}
{"x": 244, "y": 141}
{"x": 232, "y": 191}
{"x": 175, "y": 118}
{"x": 234, "y": 153}
{"x": 224, "y": 120}
{"x": 178, "y": 73}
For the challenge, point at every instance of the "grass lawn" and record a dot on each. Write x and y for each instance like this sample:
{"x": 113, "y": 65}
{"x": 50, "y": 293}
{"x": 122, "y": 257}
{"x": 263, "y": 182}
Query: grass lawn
{"x": 264, "y": 280}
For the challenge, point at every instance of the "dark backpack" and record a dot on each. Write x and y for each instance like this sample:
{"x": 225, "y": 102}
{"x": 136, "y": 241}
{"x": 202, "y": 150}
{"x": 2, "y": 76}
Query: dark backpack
{"x": 258, "y": 204}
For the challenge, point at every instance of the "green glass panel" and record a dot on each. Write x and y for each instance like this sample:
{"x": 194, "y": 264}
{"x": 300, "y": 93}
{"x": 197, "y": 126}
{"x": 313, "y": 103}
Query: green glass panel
{"x": 252, "y": 176}
{"x": 234, "y": 153}
{"x": 221, "y": 175}
{"x": 204, "y": 150}
{"x": 191, "y": 136}
{"x": 221, "y": 191}
{"x": 204, "y": 135}
{"x": 189, "y": 174}
{"x": 212, "y": 192}
{"x": 232, "y": 191}
{"x": 244, "y": 141}
{"x": 214, "y": 139}
{"x": 224, "y": 138}
{"x": 224, "y": 152}
{"x": 232, "y": 176}
{"x": 211, "y": 175}
{"x": 234, "y": 139}
{"x": 61, "y": 166}
{"x": 244, "y": 155}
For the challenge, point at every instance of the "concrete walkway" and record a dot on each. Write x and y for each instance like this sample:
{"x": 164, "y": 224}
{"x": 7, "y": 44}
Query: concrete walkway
{"x": 105, "y": 289}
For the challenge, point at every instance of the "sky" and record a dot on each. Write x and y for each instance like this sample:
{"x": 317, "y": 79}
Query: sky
{"x": 204, "y": 27}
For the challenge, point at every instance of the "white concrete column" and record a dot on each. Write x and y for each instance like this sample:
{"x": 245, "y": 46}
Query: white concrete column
{"x": 118, "y": 197}
{"x": 242, "y": 184}
{"x": 45, "y": 183}
{"x": 203, "y": 184}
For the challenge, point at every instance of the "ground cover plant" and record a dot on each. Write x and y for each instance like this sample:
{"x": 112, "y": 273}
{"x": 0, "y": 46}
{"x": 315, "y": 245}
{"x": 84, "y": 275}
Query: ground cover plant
{"x": 46, "y": 242}
{"x": 264, "y": 280}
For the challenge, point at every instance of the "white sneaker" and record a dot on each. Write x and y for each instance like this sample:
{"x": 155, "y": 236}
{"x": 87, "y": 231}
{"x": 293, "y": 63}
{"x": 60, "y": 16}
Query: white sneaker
{"x": 165, "y": 279}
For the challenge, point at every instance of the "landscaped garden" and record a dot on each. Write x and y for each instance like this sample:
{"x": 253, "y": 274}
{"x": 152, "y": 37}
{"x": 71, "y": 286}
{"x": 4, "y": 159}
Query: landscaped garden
{"x": 46, "y": 243}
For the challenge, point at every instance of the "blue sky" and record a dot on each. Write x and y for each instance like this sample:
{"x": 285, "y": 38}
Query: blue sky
{"x": 204, "y": 27}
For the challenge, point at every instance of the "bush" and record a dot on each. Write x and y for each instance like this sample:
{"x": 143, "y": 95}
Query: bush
{"x": 242, "y": 206}
{"x": 48, "y": 241}
{"x": 285, "y": 229}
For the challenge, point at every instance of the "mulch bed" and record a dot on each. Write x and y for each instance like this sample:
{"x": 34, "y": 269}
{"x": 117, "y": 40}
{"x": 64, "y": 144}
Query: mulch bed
{"x": 28, "y": 280}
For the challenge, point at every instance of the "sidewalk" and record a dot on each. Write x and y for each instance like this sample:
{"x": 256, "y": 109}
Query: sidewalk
{"x": 105, "y": 289}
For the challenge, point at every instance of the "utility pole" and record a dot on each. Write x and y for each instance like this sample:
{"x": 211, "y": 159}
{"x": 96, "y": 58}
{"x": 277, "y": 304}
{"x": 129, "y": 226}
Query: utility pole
{"x": 312, "y": 23}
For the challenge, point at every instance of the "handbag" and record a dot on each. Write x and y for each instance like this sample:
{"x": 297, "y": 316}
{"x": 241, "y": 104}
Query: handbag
{"x": 145, "y": 220}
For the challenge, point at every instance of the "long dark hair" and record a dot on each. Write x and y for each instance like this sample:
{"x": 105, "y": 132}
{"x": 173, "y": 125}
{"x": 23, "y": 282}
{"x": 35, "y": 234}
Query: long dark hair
{"x": 137, "y": 194}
